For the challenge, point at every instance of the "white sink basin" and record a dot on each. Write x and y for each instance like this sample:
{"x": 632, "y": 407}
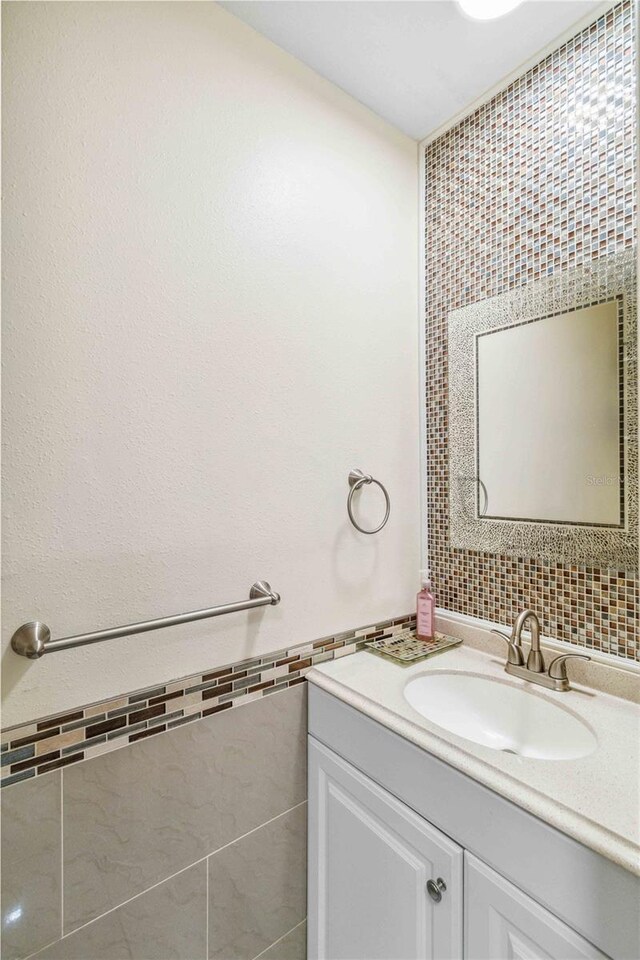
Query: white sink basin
{"x": 500, "y": 715}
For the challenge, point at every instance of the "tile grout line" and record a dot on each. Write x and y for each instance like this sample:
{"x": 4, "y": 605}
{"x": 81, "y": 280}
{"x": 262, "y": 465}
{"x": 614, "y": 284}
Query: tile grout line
{"x": 45, "y": 946}
{"x": 206, "y": 912}
{"x": 249, "y": 832}
{"x": 171, "y": 877}
{"x": 100, "y": 916}
{"x": 61, "y": 854}
{"x": 279, "y": 940}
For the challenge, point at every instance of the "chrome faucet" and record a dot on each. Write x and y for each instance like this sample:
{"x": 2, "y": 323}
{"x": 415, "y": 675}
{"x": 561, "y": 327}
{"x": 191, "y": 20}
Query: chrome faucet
{"x": 535, "y": 660}
{"x": 556, "y": 676}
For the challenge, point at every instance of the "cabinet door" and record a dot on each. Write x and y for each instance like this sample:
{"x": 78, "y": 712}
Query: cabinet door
{"x": 503, "y": 923}
{"x": 370, "y": 858}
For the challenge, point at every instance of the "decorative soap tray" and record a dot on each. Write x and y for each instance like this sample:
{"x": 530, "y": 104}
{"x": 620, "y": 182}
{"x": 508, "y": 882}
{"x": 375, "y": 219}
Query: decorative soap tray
{"x": 406, "y": 648}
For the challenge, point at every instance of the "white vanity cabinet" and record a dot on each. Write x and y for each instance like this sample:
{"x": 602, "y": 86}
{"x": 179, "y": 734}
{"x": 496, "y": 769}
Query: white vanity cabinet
{"x": 384, "y": 884}
{"x": 386, "y": 818}
{"x": 503, "y": 922}
{"x": 373, "y": 858}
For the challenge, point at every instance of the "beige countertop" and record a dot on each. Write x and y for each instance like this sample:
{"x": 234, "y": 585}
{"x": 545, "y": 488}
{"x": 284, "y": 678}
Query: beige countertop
{"x": 594, "y": 799}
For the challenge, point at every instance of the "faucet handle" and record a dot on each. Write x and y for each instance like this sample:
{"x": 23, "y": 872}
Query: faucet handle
{"x": 560, "y": 672}
{"x": 515, "y": 654}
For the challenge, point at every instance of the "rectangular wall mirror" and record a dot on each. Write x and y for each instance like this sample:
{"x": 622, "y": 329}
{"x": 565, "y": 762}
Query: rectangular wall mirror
{"x": 543, "y": 415}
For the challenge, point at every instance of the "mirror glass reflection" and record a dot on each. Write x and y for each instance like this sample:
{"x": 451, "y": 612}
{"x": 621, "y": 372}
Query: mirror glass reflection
{"x": 549, "y": 419}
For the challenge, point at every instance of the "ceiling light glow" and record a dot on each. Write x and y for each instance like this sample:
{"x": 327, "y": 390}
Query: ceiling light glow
{"x": 487, "y": 9}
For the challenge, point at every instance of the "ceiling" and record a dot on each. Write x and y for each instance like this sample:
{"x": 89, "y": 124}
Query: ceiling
{"x": 416, "y": 63}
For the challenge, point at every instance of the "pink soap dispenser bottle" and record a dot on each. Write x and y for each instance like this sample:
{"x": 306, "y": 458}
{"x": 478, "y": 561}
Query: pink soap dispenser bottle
{"x": 425, "y": 609}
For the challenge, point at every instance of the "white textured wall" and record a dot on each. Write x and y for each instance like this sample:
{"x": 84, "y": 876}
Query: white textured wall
{"x": 210, "y": 317}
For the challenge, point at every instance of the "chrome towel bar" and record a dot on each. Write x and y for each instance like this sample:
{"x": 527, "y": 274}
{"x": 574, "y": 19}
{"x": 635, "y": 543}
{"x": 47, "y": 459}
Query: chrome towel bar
{"x": 33, "y": 639}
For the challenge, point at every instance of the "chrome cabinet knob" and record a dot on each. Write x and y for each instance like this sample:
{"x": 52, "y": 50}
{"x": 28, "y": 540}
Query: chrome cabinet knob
{"x": 435, "y": 889}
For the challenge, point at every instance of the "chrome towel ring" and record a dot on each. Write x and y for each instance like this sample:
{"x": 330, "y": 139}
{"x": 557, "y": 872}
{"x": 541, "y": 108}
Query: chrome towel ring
{"x": 357, "y": 479}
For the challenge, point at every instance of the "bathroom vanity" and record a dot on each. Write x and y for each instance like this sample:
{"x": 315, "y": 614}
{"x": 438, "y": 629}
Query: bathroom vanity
{"x": 424, "y": 844}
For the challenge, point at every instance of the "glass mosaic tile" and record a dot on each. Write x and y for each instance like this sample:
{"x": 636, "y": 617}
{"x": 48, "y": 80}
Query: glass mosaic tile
{"x": 538, "y": 180}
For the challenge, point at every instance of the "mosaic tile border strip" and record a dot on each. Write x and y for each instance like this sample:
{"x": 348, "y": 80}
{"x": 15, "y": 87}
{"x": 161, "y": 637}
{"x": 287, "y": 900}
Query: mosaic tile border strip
{"x": 47, "y": 744}
{"x": 538, "y": 180}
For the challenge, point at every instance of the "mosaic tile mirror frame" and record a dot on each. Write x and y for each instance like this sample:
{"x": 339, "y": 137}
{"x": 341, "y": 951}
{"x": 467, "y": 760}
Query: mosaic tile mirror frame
{"x": 579, "y": 534}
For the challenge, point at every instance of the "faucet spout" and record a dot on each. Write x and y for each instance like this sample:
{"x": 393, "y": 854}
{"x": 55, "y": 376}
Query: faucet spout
{"x": 535, "y": 671}
{"x": 535, "y": 660}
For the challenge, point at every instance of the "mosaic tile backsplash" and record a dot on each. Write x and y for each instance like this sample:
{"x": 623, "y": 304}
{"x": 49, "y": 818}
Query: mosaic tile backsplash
{"x": 57, "y": 741}
{"x": 539, "y": 179}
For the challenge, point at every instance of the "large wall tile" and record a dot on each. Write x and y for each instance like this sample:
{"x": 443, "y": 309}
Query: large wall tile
{"x": 139, "y": 814}
{"x": 292, "y": 947}
{"x": 166, "y": 923}
{"x": 257, "y": 888}
{"x": 31, "y": 865}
